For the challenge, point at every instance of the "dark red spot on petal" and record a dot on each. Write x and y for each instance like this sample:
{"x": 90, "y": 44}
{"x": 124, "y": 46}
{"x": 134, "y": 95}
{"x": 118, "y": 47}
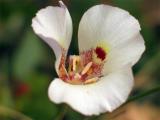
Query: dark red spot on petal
{"x": 100, "y": 53}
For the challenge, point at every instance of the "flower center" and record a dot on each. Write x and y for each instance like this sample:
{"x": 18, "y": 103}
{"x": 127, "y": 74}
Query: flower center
{"x": 83, "y": 69}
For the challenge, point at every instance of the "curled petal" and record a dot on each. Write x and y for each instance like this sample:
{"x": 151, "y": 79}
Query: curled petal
{"x": 54, "y": 26}
{"x": 103, "y": 96}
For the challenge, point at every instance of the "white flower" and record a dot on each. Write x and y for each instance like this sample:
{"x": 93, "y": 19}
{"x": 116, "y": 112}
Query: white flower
{"x": 100, "y": 78}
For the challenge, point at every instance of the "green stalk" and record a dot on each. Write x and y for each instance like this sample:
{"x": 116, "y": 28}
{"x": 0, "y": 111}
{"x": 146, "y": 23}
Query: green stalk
{"x": 7, "y": 112}
{"x": 62, "y": 112}
{"x": 131, "y": 99}
{"x": 143, "y": 94}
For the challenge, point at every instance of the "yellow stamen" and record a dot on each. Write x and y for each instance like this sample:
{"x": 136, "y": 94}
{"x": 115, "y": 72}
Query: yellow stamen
{"x": 92, "y": 80}
{"x": 75, "y": 60}
{"x": 87, "y": 67}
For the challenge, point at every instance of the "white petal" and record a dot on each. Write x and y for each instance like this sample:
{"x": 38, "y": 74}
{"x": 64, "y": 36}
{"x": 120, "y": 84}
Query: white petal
{"x": 54, "y": 26}
{"x": 122, "y": 55}
{"x": 103, "y": 96}
{"x": 54, "y": 23}
{"x": 117, "y": 29}
{"x": 106, "y": 24}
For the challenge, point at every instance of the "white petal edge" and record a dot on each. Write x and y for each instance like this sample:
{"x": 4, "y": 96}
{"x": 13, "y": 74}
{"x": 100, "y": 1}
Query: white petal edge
{"x": 107, "y": 24}
{"x": 103, "y": 96}
{"x": 54, "y": 26}
{"x": 129, "y": 52}
{"x": 54, "y": 23}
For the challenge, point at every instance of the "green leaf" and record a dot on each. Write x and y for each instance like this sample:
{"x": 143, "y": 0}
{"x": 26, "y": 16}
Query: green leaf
{"x": 28, "y": 55}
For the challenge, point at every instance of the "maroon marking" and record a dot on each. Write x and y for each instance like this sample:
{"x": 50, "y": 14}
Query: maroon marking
{"x": 100, "y": 53}
{"x": 97, "y": 69}
{"x": 61, "y": 72}
{"x": 86, "y": 56}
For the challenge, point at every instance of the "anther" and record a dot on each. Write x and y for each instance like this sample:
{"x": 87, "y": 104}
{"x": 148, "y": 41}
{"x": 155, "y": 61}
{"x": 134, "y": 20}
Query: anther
{"x": 87, "y": 67}
{"x": 92, "y": 80}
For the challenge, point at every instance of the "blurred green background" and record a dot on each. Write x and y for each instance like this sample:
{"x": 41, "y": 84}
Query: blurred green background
{"x": 27, "y": 63}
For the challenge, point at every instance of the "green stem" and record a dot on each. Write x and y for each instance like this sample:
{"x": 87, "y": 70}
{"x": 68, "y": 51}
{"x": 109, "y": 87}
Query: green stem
{"x": 62, "y": 113}
{"x": 131, "y": 99}
{"x": 4, "y": 111}
{"x": 89, "y": 118}
{"x": 143, "y": 94}
{"x": 139, "y": 96}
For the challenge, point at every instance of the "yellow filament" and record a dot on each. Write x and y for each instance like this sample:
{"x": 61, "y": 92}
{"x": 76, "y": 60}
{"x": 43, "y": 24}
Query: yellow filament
{"x": 75, "y": 59}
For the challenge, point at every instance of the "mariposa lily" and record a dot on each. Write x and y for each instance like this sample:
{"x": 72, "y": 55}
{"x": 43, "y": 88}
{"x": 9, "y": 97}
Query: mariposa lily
{"x": 100, "y": 78}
